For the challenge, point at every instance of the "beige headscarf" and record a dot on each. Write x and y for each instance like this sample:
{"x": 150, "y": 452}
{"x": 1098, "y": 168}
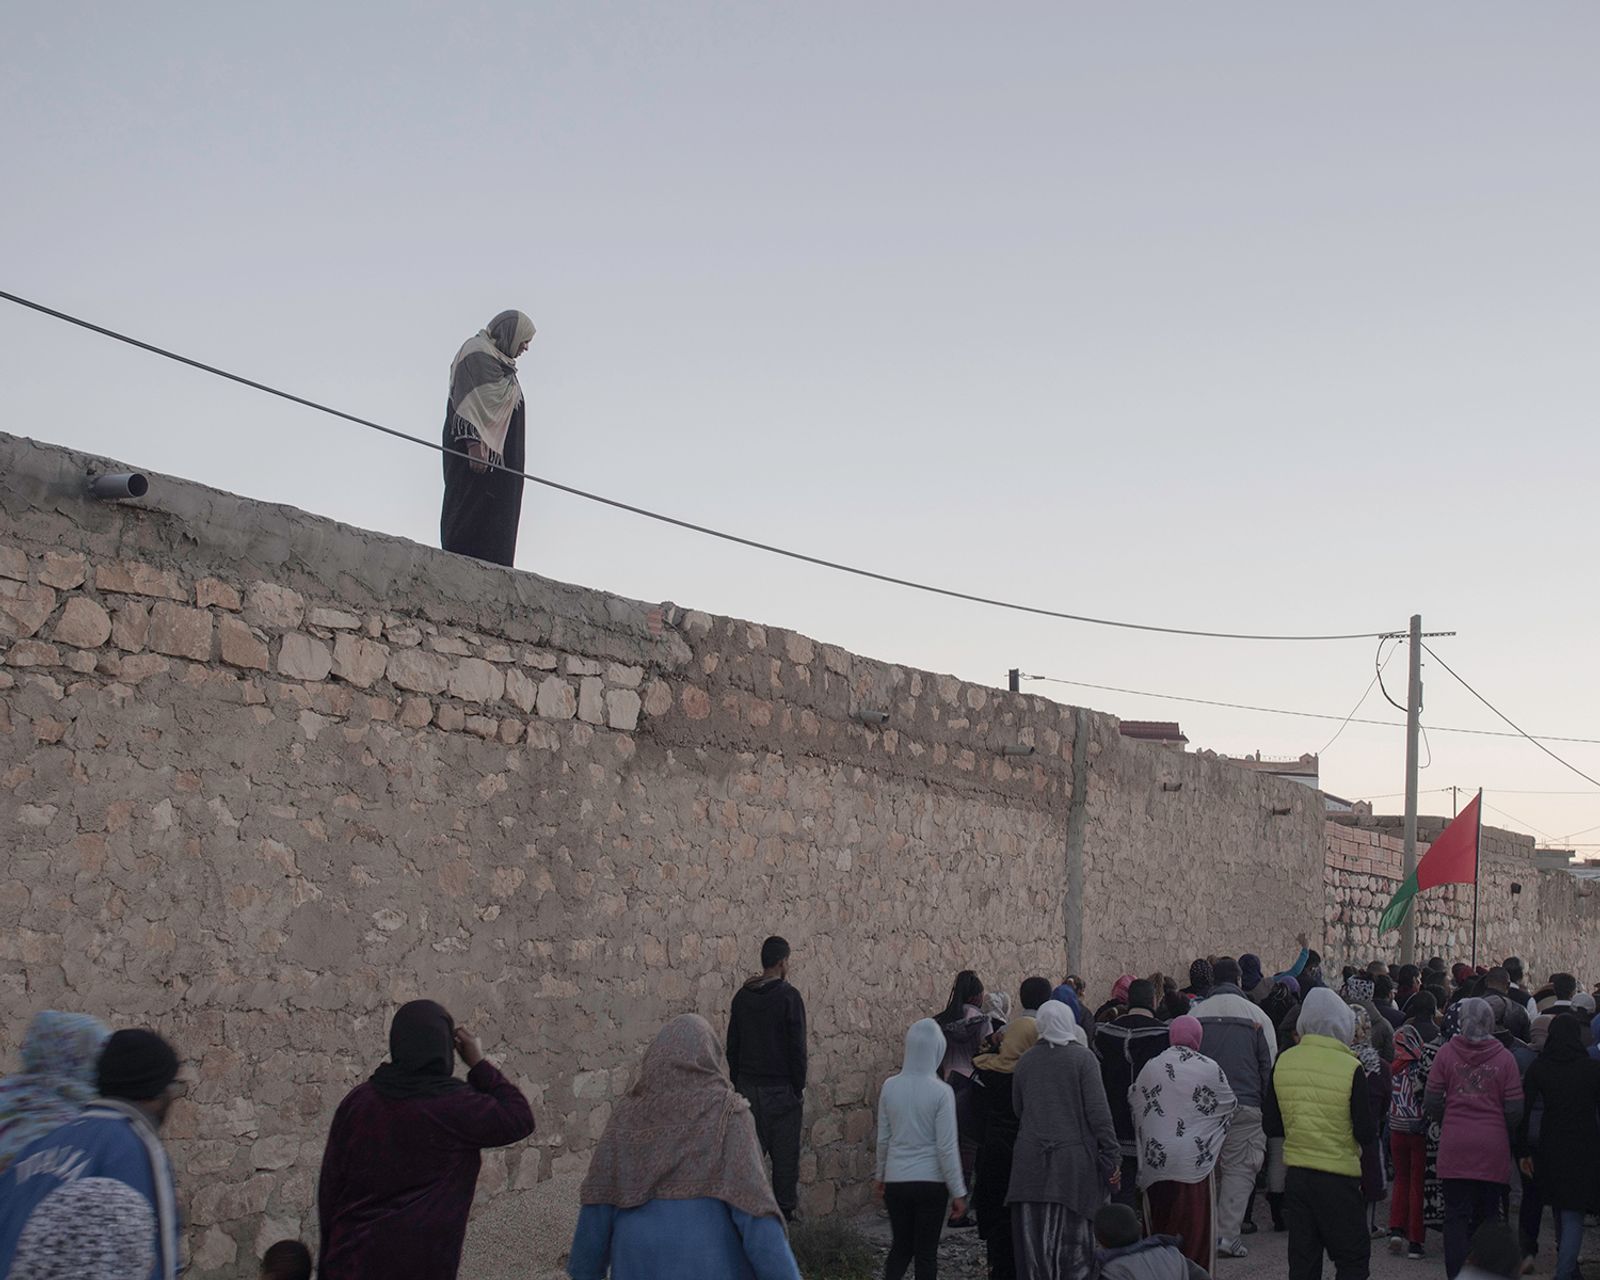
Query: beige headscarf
{"x": 682, "y": 1133}
{"x": 1020, "y": 1036}
{"x": 483, "y": 380}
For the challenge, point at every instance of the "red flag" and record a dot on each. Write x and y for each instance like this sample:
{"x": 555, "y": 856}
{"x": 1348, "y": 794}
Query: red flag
{"x": 1453, "y": 857}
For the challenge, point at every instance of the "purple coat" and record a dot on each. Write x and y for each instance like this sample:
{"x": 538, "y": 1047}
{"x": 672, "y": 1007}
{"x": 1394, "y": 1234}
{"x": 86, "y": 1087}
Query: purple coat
{"x": 398, "y": 1175}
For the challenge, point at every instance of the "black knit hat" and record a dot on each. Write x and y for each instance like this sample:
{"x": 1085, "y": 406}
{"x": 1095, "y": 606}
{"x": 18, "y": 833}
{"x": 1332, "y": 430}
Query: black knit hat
{"x": 1117, "y": 1226}
{"x": 136, "y": 1066}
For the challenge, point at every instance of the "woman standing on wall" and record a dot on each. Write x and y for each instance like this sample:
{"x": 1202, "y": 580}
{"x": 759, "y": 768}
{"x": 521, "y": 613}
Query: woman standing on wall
{"x": 1067, "y": 1155}
{"x": 483, "y": 433}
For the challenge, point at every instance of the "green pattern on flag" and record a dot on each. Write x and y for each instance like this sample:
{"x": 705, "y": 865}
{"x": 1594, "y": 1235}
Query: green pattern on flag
{"x": 1394, "y": 915}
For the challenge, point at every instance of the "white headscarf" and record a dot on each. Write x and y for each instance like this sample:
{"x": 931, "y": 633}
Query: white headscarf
{"x": 1324, "y": 1014}
{"x": 1057, "y": 1026}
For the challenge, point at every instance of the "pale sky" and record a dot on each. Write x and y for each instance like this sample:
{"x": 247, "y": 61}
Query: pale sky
{"x": 1244, "y": 317}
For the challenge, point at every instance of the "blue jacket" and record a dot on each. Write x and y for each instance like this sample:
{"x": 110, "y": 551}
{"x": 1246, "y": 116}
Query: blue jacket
{"x": 679, "y": 1240}
{"x": 109, "y": 1140}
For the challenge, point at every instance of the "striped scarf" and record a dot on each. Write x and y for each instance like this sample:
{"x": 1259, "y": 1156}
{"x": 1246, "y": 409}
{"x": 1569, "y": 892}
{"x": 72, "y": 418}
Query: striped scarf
{"x": 484, "y": 390}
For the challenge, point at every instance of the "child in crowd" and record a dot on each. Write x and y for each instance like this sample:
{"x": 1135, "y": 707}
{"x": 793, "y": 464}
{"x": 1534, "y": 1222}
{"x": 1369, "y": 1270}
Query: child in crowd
{"x": 1126, "y": 1253}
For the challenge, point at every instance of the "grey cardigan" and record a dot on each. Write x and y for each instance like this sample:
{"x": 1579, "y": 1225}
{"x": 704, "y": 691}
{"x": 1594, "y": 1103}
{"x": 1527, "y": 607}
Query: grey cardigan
{"x": 1067, "y": 1146}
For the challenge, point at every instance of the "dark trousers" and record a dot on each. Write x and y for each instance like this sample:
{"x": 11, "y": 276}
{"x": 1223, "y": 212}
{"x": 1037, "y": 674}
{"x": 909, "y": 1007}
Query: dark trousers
{"x": 1529, "y": 1215}
{"x": 1326, "y": 1213}
{"x": 916, "y": 1215}
{"x": 1468, "y": 1204}
{"x": 777, "y": 1111}
{"x": 1128, "y": 1192}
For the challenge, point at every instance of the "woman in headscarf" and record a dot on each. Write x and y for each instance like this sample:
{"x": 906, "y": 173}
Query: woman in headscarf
{"x": 677, "y": 1188}
{"x": 57, "y": 1080}
{"x": 966, "y": 1026}
{"x": 1447, "y": 1029}
{"x": 1359, "y": 992}
{"x": 1562, "y": 1154}
{"x": 1115, "y": 1007}
{"x": 997, "y": 1141}
{"x": 401, "y": 1164}
{"x": 484, "y": 442}
{"x": 1067, "y": 1154}
{"x": 1201, "y": 980}
{"x": 1380, "y": 1086}
{"x": 1181, "y": 1105}
{"x": 1475, "y": 1090}
{"x": 1408, "y": 1141}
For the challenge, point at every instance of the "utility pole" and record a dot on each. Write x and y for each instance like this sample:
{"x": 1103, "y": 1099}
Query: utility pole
{"x": 1016, "y": 679}
{"x": 1408, "y": 930}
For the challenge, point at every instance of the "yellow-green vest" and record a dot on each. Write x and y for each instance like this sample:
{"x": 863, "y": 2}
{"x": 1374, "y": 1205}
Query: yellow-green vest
{"x": 1313, "y": 1081}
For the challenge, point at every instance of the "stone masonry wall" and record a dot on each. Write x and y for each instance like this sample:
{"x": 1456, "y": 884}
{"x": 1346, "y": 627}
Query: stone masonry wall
{"x": 267, "y": 776}
{"x": 1553, "y": 923}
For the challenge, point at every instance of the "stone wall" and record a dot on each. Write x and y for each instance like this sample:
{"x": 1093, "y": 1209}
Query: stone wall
{"x": 1552, "y": 922}
{"x": 266, "y": 776}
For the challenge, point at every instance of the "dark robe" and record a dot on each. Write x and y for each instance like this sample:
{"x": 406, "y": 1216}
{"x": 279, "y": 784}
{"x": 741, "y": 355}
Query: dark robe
{"x": 1566, "y": 1152}
{"x": 482, "y": 509}
{"x": 997, "y": 1140}
{"x": 398, "y": 1176}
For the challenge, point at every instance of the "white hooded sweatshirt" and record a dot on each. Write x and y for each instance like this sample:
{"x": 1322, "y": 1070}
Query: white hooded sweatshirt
{"x": 917, "y": 1117}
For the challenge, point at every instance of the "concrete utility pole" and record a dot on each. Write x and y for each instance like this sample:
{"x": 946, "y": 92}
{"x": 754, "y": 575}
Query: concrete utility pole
{"x": 1015, "y": 679}
{"x": 1408, "y": 929}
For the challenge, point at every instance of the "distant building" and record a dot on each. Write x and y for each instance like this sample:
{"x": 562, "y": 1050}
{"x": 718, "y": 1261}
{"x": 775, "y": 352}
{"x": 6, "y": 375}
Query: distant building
{"x": 1304, "y": 770}
{"x": 1163, "y": 733}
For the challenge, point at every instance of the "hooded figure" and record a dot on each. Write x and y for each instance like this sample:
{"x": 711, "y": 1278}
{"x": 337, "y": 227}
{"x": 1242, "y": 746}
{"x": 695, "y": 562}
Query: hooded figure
{"x": 401, "y": 1163}
{"x": 997, "y": 1141}
{"x": 1181, "y": 1105}
{"x": 483, "y": 442}
{"x": 677, "y": 1184}
{"x": 1475, "y": 1091}
{"x": 57, "y": 1080}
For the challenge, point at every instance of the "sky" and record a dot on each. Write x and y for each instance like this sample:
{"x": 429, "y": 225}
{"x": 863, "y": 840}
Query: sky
{"x": 1250, "y": 317}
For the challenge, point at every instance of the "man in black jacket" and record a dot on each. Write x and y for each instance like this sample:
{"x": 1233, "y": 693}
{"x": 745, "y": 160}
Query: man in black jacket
{"x": 1125, "y": 1047}
{"x": 767, "y": 1060}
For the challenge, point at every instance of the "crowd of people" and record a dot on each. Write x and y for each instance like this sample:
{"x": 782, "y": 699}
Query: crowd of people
{"x": 1320, "y": 1096}
{"x": 1133, "y": 1142}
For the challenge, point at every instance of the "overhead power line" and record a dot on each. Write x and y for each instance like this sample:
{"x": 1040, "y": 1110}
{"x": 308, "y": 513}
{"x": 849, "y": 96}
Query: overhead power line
{"x": 1310, "y": 715}
{"x": 676, "y": 522}
{"x": 1520, "y": 731}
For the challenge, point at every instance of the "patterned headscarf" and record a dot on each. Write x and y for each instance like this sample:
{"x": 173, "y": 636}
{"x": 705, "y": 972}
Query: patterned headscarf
{"x": 1360, "y": 990}
{"x": 91, "y": 1229}
{"x": 1361, "y": 1041}
{"x": 682, "y": 1133}
{"x": 1201, "y": 977}
{"x": 484, "y": 390}
{"x": 57, "y": 1080}
{"x": 1477, "y": 1020}
{"x": 1119, "y": 991}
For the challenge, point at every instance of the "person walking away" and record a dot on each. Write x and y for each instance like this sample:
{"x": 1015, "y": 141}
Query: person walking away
{"x": 1240, "y": 1039}
{"x": 966, "y": 1029}
{"x": 59, "y": 1054}
{"x": 677, "y": 1188}
{"x": 1515, "y": 1020}
{"x": 1032, "y": 995}
{"x": 767, "y": 1062}
{"x": 1383, "y": 999}
{"x": 1379, "y": 1080}
{"x": 1563, "y": 987}
{"x": 1320, "y": 1104}
{"x": 1067, "y": 1155}
{"x": 1127, "y": 1254}
{"x": 919, "y": 1157}
{"x": 88, "y": 1229}
{"x": 1359, "y": 992}
{"x": 1475, "y": 1091}
{"x": 1520, "y": 993}
{"x": 1408, "y": 1144}
{"x": 484, "y": 421}
{"x": 1562, "y": 1153}
{"x": 997, "y": 1142}
{"x": 1125, "y": 1046}
{"x": 401, "y": 1163}
{"x": 1182, "y": 1104}
{"x": 117, "y": 1136}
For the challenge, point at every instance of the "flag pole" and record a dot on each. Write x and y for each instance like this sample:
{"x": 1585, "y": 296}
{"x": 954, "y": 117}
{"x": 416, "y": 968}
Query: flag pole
{"x": 1477, "y": 855}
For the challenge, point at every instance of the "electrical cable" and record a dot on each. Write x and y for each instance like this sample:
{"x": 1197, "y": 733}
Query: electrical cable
{"x": 738, "y": 540}
{"x": 1303, "y": 715}
{"x": 1521, "y": 822}
{"x": 1405, "y": 711}
{"x": 1520, "y": 731}
{"x": 1377, "y": 675}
